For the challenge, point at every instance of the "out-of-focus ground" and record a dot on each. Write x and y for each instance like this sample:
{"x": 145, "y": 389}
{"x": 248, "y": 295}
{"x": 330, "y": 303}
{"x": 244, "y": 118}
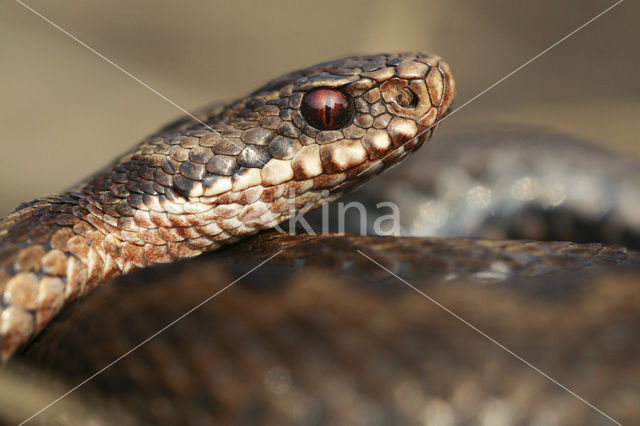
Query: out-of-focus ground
{"x": 64, "y": 112}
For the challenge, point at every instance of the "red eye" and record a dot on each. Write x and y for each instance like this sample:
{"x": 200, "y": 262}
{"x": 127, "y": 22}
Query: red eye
{"x": 326, "y": 109}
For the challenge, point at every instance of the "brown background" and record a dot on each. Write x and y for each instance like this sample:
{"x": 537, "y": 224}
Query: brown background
{"x": 64, "y": 112}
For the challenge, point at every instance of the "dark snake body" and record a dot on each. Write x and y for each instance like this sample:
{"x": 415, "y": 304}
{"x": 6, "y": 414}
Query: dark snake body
{"x": 321, "y": 335}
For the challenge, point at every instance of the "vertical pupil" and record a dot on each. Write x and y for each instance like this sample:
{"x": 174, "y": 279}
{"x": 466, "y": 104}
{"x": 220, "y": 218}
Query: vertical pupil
{"x": 326, "y": 109}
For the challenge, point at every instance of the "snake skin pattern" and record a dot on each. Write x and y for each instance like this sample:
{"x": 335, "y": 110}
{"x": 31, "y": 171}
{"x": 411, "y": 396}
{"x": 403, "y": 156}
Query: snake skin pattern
{"x": 192, "y": 188}
{"x": 320, "y": 334}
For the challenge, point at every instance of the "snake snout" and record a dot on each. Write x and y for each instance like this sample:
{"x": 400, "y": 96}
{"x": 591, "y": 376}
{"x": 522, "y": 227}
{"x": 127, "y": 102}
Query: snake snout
{"x": 421, "y": 89}
{"x": 417, "y": 90}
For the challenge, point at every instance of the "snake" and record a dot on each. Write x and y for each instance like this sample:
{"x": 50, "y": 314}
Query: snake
{"x": 311, "y": 336}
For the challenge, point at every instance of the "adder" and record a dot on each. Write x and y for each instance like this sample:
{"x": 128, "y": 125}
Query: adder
{"x": 333, "y": 328}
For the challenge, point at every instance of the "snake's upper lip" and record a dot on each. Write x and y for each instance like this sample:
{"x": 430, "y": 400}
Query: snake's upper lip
{"x": 446, "y": 112}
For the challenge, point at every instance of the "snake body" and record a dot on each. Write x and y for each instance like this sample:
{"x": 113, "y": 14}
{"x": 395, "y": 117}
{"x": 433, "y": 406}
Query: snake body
{"x": 320, "y": 334}
{"x": 192, "y": 188}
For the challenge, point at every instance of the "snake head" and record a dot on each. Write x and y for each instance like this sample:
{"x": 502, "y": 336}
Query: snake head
{"x": 297, "y": 142}
{"x": 349, "y": 118}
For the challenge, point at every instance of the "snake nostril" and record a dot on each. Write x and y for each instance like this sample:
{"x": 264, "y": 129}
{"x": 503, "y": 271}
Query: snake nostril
{"x": 406, "y": 98}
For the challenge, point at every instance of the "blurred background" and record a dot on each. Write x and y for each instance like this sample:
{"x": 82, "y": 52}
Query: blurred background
{"x": 64, "y": 112}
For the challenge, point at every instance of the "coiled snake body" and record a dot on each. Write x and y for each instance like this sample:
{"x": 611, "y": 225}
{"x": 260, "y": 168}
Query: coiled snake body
{"x": 343, "y": 344}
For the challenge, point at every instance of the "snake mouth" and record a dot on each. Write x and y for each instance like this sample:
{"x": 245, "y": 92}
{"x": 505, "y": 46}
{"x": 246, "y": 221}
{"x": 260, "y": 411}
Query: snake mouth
{"x": 447, "y": 112}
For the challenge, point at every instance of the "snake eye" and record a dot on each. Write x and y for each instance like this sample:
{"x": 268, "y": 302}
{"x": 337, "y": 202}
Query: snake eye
{"x": 327, "y": 109}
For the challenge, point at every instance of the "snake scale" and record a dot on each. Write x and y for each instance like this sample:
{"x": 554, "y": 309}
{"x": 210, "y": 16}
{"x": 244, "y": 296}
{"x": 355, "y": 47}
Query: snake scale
{"x": 319, "y": 334}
